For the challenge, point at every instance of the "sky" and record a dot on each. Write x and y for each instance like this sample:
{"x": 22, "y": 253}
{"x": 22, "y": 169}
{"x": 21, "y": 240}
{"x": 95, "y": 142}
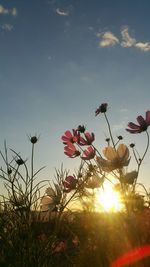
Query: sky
{"x": 59, "y": 60}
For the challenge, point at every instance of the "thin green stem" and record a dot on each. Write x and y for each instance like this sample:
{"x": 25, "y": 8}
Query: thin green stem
{"x": 141, "y": 160}
{"x": 109, "y": 128}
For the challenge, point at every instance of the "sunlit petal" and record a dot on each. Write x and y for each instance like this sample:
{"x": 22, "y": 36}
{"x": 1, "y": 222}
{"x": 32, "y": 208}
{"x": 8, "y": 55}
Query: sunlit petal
{"x": 110, "y": 153}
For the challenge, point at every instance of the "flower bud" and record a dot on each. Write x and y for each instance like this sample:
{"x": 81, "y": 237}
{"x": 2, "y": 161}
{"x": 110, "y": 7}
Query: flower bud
{"x": 33, "y": 139}
{"x": 132, "y": 145}
{"x": 101, "y": 109}
{"x": 20, "y": 161}
{"x": 9, "y": 171}
{"x": 81, "y": 128}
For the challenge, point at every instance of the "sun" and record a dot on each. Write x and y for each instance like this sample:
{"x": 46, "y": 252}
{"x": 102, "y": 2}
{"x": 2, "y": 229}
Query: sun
{"x": 108, "y": 200}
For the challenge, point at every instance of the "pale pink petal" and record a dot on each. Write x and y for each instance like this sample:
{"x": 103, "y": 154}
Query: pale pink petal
{"x": 50, "y": 192}
{"x": 46, "y": 200}
{"x": 105, "y": 164}
{"x": 123, "y": 151}
{"x": 68, "y": 134}
{"x": 110, "y": 153}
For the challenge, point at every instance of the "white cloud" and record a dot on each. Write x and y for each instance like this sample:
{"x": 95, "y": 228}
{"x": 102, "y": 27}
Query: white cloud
{"x": 143, "y": 46}
{"x": 62, "y": 12}
{"x": 90, "y": 28}
{"x": 7, "y": 27}
{"x": 14, "y": 12}
{"x": 108, "y": 39}
{"x": 5, "y": 11}
{"x": 127, "y": 40}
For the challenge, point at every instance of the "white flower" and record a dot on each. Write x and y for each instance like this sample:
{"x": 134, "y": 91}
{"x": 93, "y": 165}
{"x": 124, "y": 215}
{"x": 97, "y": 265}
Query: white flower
{"x": 94, "y": 182}
{"x": 116, "y": 158}
{"x": 130, "y": 177}
{"x": 52, "y": 198}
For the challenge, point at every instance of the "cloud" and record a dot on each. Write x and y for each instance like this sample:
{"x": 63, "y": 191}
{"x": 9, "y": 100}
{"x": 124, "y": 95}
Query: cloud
{"x": 62, "y": 12}
{"x": 7, "y": 27}
{"x": 108, "y": 39}
{"x": 14, "y": 12}
{"x": 143, "y": 46}
{"x": 5, "y": 11}
{"x": 127, "y": 41}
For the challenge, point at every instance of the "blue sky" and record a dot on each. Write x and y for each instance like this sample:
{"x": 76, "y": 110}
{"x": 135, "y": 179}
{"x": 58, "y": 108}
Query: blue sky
{"x": 59, "y": 60}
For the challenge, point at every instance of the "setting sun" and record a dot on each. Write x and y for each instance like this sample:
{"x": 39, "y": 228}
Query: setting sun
{"x": 108, "y": 199}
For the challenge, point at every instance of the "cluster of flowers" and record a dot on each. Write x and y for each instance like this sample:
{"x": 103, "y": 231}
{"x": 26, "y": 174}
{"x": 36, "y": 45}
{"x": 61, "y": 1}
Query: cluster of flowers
{"x": 116, "y": 156}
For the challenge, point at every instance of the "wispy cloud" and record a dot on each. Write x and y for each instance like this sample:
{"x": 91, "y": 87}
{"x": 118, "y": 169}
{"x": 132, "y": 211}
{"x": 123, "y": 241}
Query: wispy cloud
{"x": 109, "y": 39}
{"x": 127, "y": 40}
{"x": 14, "y": 12}
{"x": 6, "y": 11}
{"x": 62, "y": 12}
{"x": 7, "y": 27}
{"x": 3, "y": 10}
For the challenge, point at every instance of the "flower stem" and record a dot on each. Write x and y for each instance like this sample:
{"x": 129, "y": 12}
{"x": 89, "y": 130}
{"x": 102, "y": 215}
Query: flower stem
{"x": 32, "y": 161}
{"x": 109, "y": 128}
{"x": 142, "y": 158}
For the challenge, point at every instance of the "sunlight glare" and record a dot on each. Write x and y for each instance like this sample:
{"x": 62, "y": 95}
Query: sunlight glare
{"x": 109, "y": 200}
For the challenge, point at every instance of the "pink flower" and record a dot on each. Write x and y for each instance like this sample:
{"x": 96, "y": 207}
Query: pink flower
{"x": 59, "y": 246}
{"x": 71, "y": 151}
{"x": 70, "y": 137}
{"x": 143, "y": 124}
{"x": 101, "y": 109}
{"x": 89, "y": 153}
{"x": 88, "y": 140}
{"x": 69, "y": 183}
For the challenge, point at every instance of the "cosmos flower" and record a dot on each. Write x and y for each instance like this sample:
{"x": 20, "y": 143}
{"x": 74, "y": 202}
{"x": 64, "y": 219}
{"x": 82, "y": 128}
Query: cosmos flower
{"x": 130, "y": 177}
{"x": 52, "y": 198}
{"x": 89, "y": 153}
{"x": 71, "y": 151}
{"x": 70, "y": 137}
{"x": 116, "y": 158}
{"x": 101, "y": 109}
{"x": 88, "y": 140}
{"x": 94, "y": 182}
{"x": 69, "y": 183}
{"x": 143, "y": 124}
